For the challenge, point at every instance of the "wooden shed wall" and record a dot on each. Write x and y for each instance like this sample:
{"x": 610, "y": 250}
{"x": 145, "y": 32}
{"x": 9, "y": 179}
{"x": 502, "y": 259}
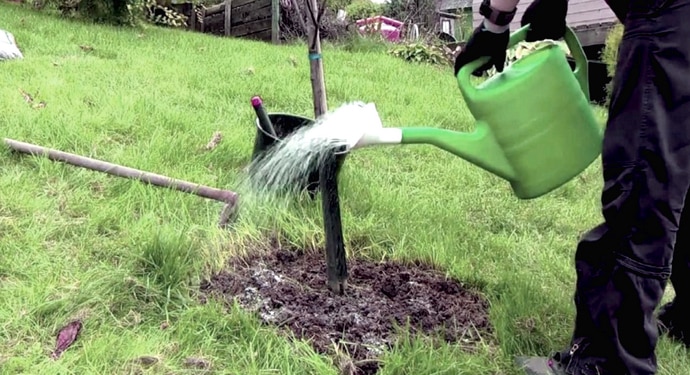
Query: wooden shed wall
{"x": 246, "y": 19}
{"x": 251, "y": 17}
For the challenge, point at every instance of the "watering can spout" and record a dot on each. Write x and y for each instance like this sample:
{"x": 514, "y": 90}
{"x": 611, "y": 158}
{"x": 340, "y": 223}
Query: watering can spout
{"x": 478, "y": 147}
{"x": 379, "y": 136}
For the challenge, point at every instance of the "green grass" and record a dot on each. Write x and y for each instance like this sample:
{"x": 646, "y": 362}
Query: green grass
{"x": 125, "y": 256}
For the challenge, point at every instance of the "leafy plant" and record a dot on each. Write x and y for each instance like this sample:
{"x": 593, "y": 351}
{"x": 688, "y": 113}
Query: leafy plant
{"x": 160, "y": 14}
{"x": 523, "y": 49}
{"x": 338, "y": 4}
{"x": 117, "y": 12}
{"x": 360, "y": 9}
{"x": 421, "y": 12}
{"x": 609, "y": 54}
{"x": 421, "y": 53}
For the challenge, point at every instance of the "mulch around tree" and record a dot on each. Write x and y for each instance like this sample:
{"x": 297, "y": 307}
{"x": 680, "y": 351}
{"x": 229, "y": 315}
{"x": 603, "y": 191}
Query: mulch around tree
{"x": 287, "y": 288}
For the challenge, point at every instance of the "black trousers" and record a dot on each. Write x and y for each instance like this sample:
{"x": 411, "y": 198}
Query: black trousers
{"x": 623, "y": 265}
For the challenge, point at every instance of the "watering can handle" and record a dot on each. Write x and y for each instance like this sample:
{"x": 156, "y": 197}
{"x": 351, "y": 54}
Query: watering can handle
{"x": 571, "y": 40}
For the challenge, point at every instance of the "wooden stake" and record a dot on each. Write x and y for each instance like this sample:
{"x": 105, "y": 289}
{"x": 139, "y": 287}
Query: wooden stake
{"x": 336, "y": 262}
{"x": 318, "y": 85}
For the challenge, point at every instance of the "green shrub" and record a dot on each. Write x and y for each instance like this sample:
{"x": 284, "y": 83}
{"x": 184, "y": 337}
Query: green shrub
{"x": 161, "y": 14}
{"x": 609, "y": 55}
{"x": 116, "y": 12}
{"x": 423, "y": 53}
{"x": 360, "y": 9}
{"x": 335, "y": 5}
{"x": 421, "y": 12}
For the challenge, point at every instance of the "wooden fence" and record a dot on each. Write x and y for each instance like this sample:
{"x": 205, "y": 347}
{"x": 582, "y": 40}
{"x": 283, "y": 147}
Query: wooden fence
{"x": 255, "y": 19}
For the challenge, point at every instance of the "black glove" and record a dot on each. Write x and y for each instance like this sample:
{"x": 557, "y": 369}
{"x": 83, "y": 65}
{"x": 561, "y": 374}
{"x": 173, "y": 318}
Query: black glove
{"x": 619, "y": 8}
{"x": 546, "y": 19}
{"x": 484, "y": 43}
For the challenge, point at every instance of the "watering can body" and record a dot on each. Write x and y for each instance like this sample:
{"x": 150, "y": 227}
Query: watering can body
{"x": 534, "y": 124}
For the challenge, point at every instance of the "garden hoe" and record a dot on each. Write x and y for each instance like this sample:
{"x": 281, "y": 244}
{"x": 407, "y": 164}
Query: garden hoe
{"x": 224, "y": 196}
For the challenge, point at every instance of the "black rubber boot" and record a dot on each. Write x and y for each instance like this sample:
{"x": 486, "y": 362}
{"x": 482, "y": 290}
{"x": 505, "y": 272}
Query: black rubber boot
{"x": 540, "y": 366}
{"x": 560, "y": 363}
{"x": 673, "y": 321}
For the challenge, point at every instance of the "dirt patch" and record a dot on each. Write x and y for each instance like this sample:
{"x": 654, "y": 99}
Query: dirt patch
{"x": 287, "y": 288}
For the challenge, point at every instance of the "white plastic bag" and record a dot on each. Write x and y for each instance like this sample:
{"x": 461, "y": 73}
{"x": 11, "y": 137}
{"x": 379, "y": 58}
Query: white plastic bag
{"x": 8, "y": 47}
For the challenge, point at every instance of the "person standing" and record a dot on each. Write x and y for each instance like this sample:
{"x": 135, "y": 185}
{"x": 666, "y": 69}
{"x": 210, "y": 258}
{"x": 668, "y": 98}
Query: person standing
{"x": 623, "y": 264}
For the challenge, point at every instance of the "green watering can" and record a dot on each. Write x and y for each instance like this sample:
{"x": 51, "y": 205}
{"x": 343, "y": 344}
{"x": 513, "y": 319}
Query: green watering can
{"x": 535, "y": 127}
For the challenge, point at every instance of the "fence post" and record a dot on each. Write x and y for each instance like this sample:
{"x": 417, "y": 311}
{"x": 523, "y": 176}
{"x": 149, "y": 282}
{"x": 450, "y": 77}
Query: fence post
{"x": 275, "y": 21}
{"x": 203, "y": 18}
{"x": 228, "y": 17}
{"x": 192, "y": 20}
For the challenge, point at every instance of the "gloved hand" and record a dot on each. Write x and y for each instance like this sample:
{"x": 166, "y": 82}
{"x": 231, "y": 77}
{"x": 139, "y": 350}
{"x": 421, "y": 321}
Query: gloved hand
{"x": 546, "y": 19}
{"x": 619, "y": 8}
{"x": 483, "y": 43}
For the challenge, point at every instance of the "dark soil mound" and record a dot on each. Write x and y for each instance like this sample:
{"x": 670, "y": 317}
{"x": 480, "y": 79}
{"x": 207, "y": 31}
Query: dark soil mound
{"x": 288, "y": 289}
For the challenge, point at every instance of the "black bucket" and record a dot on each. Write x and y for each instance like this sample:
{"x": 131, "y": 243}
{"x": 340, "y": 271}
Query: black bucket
{"x": 285, "y": 124}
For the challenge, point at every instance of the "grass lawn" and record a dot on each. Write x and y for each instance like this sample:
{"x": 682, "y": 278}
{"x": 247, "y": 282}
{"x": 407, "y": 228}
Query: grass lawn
{"x": 123, "y": 256}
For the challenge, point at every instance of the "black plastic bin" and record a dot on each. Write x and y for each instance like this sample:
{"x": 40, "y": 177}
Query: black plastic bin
{"x": 285, "y": 124}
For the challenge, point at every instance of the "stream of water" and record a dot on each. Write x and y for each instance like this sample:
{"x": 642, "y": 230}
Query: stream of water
{"x": 286, "y": 166}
